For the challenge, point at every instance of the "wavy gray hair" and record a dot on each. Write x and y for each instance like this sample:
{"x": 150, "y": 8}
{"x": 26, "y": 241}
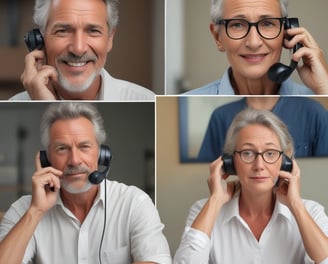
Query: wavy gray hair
{"x": 261, "y": 117}
{"x": 71, "y": 110}
{"x": 216, "y": 8}
{"x": 41, "y": 13}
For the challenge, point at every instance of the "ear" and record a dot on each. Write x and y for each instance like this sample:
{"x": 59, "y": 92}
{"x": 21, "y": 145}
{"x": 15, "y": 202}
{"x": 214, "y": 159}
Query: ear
{"x": 216, "y": 36}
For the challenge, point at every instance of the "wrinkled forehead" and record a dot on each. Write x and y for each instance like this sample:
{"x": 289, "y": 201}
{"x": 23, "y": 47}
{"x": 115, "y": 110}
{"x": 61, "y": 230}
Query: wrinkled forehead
{"x": 63, "y": 11}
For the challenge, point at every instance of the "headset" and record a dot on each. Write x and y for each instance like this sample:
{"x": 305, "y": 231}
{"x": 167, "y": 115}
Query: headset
{"x": 279, "y": 72}
{"x": 95, "y": 177}
{"x": 34, "y": 40}
{"x": 229, "y": 167}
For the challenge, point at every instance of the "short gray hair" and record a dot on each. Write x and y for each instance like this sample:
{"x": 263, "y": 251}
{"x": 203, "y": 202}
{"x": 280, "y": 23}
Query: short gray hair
{"x": 216, "y": 9}
{"x": 261, "y": 117}
{"x": 41, "y": 13}
{"x": 71, "y": 110}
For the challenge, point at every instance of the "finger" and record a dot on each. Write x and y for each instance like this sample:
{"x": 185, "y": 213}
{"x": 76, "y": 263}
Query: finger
{"x": 53, "y": 184}
{"x": 302, "y": 36}
{"x": 32, "y": 59}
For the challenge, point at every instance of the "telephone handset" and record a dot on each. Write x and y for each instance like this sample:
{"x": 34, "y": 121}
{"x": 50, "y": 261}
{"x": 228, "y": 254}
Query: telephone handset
{"x": 45, "y": 163}
{"x": 279, "y": 72}
{"x": 229, "y": 167}
{"x": 95, "y": 177}
{"x": 34, "y": 40}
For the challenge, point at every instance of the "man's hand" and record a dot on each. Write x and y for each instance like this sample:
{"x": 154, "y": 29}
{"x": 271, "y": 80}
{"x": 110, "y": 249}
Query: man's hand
{"x": 38, "y": 78}
{"x": 43, "y": 180}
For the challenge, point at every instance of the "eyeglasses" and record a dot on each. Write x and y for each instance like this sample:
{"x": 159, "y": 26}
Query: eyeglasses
{"x": 269, "y": 156}
{"x": 268, "y": 28}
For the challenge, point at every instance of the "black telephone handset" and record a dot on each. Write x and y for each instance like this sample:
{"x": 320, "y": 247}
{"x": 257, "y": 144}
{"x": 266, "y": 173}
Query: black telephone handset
{"x": 229, "y": 167}
{"x": 45, "y": 163}
{"x": 279, "y": 72}
{"x": 34, "y": 39}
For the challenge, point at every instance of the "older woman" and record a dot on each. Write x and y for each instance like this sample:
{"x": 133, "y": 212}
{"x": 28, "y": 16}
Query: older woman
{"x": 252, "y": 33}
{"x": 260, "y": 219}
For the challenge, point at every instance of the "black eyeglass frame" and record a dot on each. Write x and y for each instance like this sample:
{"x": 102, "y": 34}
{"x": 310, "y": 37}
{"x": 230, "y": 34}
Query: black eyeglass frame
{"x": 257, "y": 154}
{"x": 225, "y": 22}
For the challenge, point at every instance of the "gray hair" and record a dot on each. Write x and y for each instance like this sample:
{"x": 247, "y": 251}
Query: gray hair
{"x": 216, "y": 9}
{"x": 71, "y": 110}
{"x": 41, "y": 13}
{"x": 261, "y": 117}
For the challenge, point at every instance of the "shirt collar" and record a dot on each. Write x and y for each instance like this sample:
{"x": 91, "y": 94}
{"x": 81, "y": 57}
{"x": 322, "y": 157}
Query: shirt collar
{"x": 232, "y": 210}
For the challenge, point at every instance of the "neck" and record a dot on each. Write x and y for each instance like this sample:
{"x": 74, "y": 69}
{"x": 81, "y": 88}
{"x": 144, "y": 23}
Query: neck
{"x": 79, "y": 204}
{"x": 256, "y": 205}
{"x": 244, "y": 86}
{"x": 263, "y": 102}
{"x": 90, "y": 94}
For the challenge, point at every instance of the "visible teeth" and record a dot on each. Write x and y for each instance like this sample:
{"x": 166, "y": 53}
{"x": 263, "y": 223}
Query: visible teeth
{"x": 76, "y": 64}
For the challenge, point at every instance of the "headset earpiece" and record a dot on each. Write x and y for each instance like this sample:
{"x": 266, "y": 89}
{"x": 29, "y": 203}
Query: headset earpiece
{"x": 228, "y": 165}
{"x": 34, "y": 39}
{"x": 286, "y": 163}
{"x": 104, "y": 159}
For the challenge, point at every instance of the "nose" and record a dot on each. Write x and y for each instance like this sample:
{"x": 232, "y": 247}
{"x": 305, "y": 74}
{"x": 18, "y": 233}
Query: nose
{"x": 74, "y": 158}
{"x": 79, "y": 43}
{"x": 259, "y": 163}
{"x": 253, "y": 39}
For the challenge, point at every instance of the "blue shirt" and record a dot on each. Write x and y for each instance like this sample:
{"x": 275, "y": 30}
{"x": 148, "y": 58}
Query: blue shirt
{"x": 306, "y": 119}
{"x": 224, "y": 87}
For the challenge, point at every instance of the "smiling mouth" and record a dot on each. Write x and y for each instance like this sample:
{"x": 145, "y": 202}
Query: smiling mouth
{"x": 76, "y": 64}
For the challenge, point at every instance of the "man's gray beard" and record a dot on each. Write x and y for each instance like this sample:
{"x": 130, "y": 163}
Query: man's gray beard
{"x": 79, "y": 88}
{"x": 69, "y": 188}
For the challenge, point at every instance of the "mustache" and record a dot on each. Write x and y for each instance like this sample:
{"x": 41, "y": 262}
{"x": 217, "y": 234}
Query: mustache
{"x": 76, "y": 170}
{"x": 71, "y": 57}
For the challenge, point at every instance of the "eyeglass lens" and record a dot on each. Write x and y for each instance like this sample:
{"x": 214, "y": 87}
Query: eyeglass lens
{"x": 269, "y": 156}
{"x": 268, "y": 28}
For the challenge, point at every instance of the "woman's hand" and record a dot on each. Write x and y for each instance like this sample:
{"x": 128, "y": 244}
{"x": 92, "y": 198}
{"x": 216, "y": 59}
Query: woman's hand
{"x": 221, "y": 193}
{"x": 219, "y": 188}
{"x": 288, "y": 191}
{"x": 314, "y": 71}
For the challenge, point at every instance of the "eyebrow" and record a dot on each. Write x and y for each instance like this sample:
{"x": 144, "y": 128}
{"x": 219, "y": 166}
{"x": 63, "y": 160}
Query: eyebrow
{"x": 67, "y": 26}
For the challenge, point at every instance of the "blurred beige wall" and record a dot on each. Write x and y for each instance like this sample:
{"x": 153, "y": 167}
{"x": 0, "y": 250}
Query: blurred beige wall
{"x": 179, "y": 185}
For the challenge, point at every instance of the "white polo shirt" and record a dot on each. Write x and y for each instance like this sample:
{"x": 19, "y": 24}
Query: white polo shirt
{"x": 233, "y": 242}
{"x": 133, "y": 230}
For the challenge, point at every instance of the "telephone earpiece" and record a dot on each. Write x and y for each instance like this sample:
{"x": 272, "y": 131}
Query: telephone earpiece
{"x": 95, "y": 177}
{"x": 229, "y": 167}
{"x": 44, "y": 159}
{"x": 34, "y": 39}
{"x": 280, "y": 72}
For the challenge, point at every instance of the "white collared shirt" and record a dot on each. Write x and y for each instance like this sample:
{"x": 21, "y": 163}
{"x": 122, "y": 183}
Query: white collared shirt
{"x": 232, "y": 241}
{"x": 133, "y": 230}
